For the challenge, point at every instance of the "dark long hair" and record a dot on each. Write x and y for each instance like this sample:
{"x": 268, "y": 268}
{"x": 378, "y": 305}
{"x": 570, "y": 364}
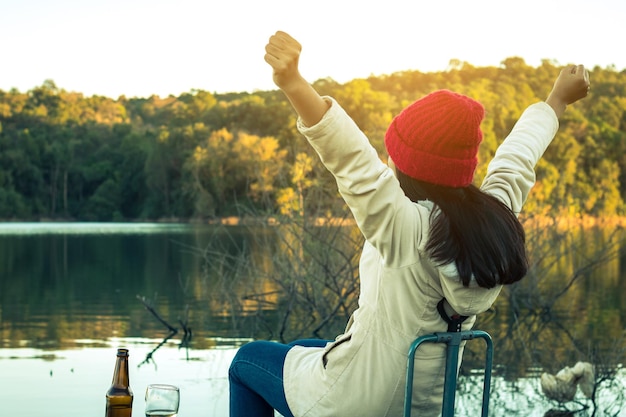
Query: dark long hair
{"x": 476, "y": 231}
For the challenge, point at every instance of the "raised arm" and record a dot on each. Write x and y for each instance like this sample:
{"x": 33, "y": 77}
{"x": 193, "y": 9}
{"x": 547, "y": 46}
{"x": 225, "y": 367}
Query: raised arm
{"x": 282, "y": 53}
{"x": 571, "y": 85}
{"x": 511, "y": 173}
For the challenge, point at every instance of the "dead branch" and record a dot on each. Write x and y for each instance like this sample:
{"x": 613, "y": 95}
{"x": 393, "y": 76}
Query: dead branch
{"x": 151, "y": 309}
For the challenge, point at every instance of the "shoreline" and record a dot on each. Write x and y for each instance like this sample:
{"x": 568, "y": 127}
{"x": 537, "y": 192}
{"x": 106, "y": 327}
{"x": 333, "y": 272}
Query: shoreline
{"x": 561, "y": 222}
{"x": 530, "y": 221}
{"x": 568, "y": 222}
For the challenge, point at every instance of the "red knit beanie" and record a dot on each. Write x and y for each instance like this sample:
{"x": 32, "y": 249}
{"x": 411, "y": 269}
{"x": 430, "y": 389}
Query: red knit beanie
{"x": 436, "y": 139}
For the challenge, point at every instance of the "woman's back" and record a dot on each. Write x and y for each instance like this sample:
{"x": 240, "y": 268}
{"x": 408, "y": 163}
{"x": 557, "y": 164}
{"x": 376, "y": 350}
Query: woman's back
{"x": 362, "y": 372}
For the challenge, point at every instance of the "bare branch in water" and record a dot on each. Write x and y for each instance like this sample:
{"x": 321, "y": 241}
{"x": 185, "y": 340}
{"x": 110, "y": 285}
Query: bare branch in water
{"x": 151, "y": 309}
{"x": 149, "y": 355}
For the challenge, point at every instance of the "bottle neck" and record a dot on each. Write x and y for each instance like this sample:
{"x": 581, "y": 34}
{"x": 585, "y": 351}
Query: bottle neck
{"x": 120, "y": 375}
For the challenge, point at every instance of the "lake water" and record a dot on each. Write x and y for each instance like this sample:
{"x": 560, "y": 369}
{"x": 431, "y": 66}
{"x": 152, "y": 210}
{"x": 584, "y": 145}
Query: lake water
{"x": 71, "y": 294}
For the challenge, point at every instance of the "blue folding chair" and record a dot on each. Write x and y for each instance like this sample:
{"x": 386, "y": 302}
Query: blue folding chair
{"x": 453, "y": 341}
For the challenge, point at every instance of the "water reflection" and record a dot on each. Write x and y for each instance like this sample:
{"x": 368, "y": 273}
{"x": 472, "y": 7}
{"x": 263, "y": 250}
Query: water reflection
{"x": 69, "y": 289}
{"x": 56, "y": 287}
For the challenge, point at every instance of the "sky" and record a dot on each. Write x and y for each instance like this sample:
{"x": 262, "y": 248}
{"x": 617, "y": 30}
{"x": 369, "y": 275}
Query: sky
{"x": 138, "y": 48}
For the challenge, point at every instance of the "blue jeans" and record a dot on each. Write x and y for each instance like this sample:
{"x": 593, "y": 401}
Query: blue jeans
{"x": 256, "y": 378}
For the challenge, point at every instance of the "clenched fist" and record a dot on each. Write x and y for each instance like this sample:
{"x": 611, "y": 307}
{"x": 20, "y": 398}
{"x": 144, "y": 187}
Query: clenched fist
{"x": 282, "y": 53}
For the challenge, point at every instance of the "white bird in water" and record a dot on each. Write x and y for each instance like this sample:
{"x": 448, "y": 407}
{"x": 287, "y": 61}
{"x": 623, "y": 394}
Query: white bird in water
{"x": 562, "y": 386}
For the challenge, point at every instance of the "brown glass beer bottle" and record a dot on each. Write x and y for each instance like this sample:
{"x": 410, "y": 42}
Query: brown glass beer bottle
{"x": 120, "y": 397}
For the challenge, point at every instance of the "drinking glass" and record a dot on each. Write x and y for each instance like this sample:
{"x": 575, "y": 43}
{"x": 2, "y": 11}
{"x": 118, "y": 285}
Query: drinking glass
{"x": 162, "y": 400}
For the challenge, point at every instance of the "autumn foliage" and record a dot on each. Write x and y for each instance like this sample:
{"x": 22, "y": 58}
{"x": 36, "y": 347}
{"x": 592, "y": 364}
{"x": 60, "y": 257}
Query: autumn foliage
{"x": 202, "y": 156}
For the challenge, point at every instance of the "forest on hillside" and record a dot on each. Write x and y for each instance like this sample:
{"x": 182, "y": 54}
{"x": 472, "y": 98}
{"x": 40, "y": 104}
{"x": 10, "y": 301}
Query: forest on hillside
{"x": 203, "y": 155}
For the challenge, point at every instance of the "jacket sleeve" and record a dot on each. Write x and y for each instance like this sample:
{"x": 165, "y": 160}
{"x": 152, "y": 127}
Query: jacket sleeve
{"x": 511, "y": 173}
{"x": 367, "y": 185}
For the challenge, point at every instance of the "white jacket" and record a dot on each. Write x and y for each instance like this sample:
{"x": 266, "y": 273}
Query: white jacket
{"x": 362, "y": 373}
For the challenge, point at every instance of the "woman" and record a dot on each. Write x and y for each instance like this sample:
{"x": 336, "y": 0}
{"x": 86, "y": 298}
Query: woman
{"x": 430, "y": 236}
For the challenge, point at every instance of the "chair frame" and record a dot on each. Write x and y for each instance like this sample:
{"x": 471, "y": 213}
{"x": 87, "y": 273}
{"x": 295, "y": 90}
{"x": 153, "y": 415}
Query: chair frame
{"x": 453, "y": 341}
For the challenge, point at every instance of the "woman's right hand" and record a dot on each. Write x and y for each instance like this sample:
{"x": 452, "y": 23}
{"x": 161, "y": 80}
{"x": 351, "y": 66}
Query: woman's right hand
{"x": 282, "y": 53}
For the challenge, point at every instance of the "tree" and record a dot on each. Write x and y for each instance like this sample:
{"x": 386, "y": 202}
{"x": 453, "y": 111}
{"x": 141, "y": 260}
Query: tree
{"x": 371, "y": 110}
{"x": 290, "y": 200}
